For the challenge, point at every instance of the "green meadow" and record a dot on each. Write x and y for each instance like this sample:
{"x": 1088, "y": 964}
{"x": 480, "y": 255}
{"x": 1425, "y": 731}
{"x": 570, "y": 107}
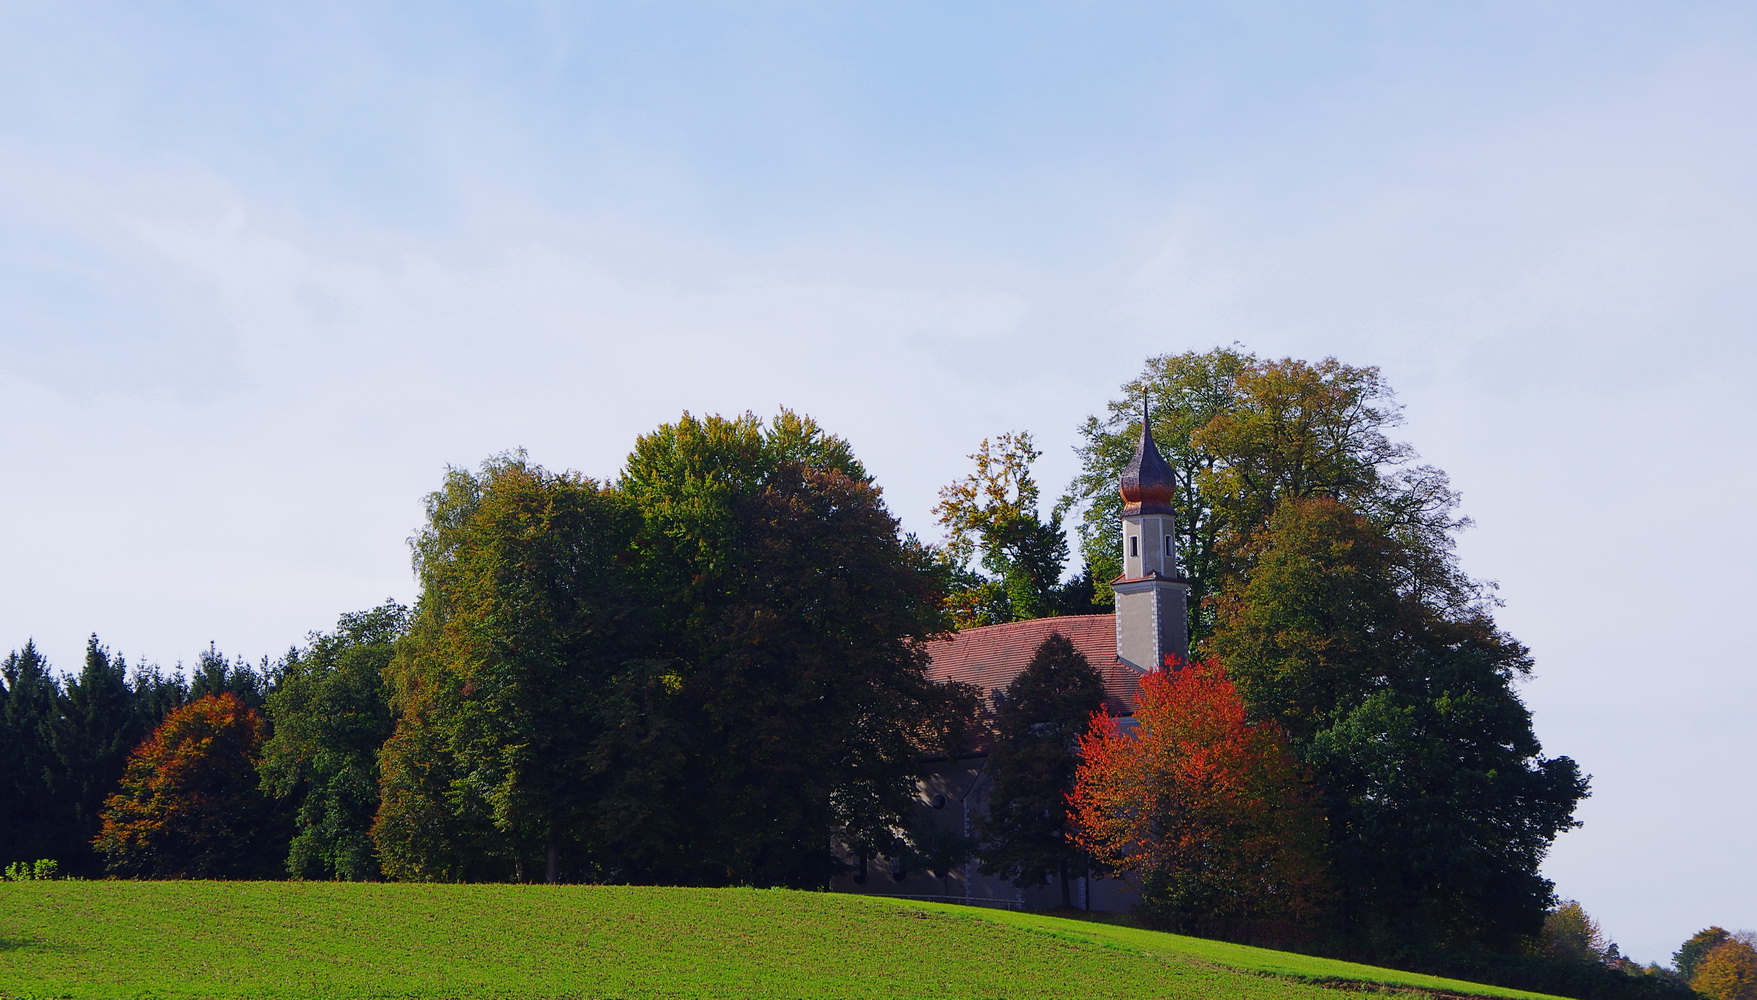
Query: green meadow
{"x": 166, "y": 940}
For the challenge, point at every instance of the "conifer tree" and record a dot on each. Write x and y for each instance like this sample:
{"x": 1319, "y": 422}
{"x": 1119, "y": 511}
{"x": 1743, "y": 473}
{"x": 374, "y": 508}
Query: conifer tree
{"x": 28, "y": 809}
{"x": 98, "y": 726}
{"x": 1039, "y": 720}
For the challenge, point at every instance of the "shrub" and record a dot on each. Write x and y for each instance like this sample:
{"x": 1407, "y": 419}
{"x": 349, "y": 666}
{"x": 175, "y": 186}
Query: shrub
{"x": 41, "y": 870}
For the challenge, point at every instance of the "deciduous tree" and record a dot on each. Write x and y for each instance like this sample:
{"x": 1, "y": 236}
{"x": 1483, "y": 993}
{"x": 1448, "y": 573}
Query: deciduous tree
{"x": 1440, "y": 802}
{"x": 1571, "y": 935}
{"x": 1691, "y": 951}
{"x": 784, "y": 699}
{"x": 1242, "y": 434}
{"x": 331, "y": 715}
{"x": 1320, "y": 556}
{"x": 1728, "y": 971}
{"x": 992, "y": 515}
{"x": 522, "y": 623}
{"x": 1205, "y": 809}
{"x": 189, "y": 806}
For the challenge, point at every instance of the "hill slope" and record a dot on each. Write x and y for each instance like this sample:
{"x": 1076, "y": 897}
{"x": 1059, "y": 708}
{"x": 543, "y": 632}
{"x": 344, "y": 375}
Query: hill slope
{"x": 299, "y": 940}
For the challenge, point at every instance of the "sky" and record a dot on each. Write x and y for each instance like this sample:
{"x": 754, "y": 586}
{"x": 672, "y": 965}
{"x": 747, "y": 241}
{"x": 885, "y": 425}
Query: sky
{"x": 266, "y": 270}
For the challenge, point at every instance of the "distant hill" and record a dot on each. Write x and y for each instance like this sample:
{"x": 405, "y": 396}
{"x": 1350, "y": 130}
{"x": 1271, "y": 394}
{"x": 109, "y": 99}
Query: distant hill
{"x": 175, "y": 940}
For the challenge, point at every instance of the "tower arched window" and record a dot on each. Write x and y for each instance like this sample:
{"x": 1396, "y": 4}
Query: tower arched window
{"x": 1134, "y": 545}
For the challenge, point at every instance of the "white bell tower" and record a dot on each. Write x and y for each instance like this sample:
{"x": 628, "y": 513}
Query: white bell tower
{"x": 1152, "y": 595}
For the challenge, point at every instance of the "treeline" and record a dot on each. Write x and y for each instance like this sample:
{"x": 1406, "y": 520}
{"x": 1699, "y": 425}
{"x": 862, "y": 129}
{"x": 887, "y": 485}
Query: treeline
{"x": 710, "y": 669}
{"x": 65, "y": 741}
{"x": 700, "y": 673}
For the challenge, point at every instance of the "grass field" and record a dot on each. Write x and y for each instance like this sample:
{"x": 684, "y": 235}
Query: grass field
{"x": 165, "y": 940}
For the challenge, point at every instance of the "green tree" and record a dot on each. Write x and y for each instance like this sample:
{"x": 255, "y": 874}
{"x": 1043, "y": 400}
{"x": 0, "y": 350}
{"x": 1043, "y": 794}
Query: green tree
{"x": 1691, "y": 951}
{"x": 992, "y": 514}
{"x": 213, "y": 674}
{"x": 1320, "y": 557}
{"x": 156, "y": 694}
{"x": 30, "y": 811}
{"x": 783, "y": 700}
{"x": 330, "y": 715}
{"x": 1242, "y": 434}
{"x": 98, "y": 725}
{"x": 1440, "y": 804}
{"x": 520, "y": 629}
{"x": 1039, "y": 720}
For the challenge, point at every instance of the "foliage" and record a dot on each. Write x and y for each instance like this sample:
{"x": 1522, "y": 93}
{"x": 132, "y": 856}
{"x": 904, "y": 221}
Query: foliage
{"x": 1242, "y": 434}
{"x": 783, "y": 699}
{"x": 40, "y": 870}
{"x": 517, "y": 632}
{"x": 99, "y": 722}
{"x": 1039, "y": 720}
{"x": 63, "y": 745}
{"x": 1728, "y": 971}
{"x": 188, "y": 805}
{"x": 28, "y": 712}
{"x": 323, "y": 940}
{"x": 1555, "y": 977}
{"x": 1205, "y": 809}
{"x": 701, "y": 674}
{"x": 1571, "y": 935}
{"x": 330, "y": 715}
{"x": 1692, "y": 951}
{"x": 213, "y": 674}
{"x": 992, "y": 514}
{"x": 1440, "y": 804}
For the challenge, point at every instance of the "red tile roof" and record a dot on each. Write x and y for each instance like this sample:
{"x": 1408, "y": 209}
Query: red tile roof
{"x": 991, "y": 656}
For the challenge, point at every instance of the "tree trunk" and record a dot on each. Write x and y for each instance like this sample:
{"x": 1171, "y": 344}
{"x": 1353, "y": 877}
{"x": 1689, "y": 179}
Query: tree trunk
{"x": 1067, "y": 890}
{"x": 552, "y": 858}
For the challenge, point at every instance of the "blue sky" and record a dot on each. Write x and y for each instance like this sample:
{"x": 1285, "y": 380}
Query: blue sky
{"x": 266, "y": 269}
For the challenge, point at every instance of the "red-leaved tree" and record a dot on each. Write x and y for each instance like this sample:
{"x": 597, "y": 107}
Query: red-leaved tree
{"x": 189, "y": 806}
{"x": 1204, "y": 809}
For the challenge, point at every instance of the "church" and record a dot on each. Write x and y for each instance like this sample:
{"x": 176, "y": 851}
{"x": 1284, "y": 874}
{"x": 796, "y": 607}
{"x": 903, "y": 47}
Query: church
{"x": 1151, "y": 623}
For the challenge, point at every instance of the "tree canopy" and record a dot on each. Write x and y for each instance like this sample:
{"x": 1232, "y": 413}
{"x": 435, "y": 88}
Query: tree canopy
{"x": 1205, "y": 808}
{"x": 330, "y": 715}
{"x": 700, "y": 673}
{"x": 188, "y": 806}
{"x": 1728, "y": 971}
{"x": 991, "y": 515}
{"x": 517, "y": 633}
{"x": 785, "y": 698}
{"x": 1322, "y": 572}
{"x": 1242, "y": 434}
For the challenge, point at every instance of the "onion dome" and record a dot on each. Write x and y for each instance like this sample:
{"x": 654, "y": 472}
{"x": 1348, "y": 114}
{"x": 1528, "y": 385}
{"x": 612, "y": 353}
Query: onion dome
{"x": 1148, "y": 485}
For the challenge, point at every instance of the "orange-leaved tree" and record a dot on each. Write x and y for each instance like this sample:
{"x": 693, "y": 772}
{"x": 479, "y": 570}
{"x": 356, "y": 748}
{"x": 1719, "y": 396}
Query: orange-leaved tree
{"x": 1205, "y": 809}
{"x": 189, "y": 806}
{"x": 1729, "y": 970}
